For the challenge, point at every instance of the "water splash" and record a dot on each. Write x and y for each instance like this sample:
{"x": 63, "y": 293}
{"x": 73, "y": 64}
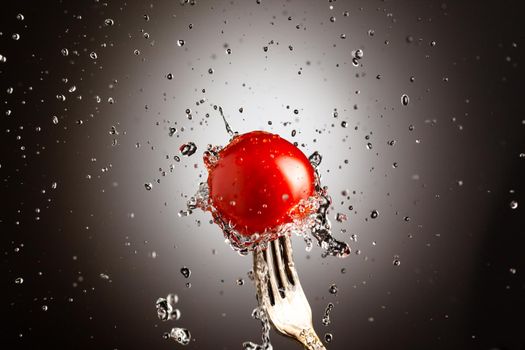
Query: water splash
{"x": 228, "y": 128}
{"x": 313, "y": 225}
{"x": 259, "y": 313}
{"x": 326, "y": 318}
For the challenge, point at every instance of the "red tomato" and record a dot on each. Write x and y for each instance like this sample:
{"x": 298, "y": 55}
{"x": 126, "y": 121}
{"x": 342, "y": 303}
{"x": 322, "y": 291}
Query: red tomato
{"x": 258, "y": 180}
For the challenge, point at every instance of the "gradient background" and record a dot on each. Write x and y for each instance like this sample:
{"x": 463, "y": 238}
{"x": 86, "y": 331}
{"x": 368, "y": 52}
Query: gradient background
{"x": 458, "y": 168}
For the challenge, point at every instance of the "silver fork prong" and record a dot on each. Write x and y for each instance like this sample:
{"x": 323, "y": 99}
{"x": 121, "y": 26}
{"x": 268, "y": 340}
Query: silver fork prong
{"x": 271, "y": 274}
{"x": 288, "y": 259}
{"x": 279, "y": 256}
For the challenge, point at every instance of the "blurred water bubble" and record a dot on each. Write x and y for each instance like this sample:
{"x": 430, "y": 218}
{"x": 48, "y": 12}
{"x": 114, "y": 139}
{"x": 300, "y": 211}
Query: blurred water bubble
{"x": 405, "y": 100}
{"x": 186, "y": 272}
{"x": 396, "y": 261}
{"x": 328, "y": 337}
{"x": 514, "y": 204}
{"x": 188, "y": 149}
{"x": 180, "y": 335}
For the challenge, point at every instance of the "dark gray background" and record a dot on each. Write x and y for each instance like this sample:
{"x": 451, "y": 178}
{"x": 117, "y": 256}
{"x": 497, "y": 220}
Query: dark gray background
{"x": 458, "y": 168}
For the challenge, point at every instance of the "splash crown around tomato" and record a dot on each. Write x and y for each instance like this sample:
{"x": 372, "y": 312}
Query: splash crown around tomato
{"x": 257, "y": 182}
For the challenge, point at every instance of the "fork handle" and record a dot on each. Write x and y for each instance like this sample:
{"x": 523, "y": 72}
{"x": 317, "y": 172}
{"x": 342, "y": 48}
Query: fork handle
{"x": 310, "y": 340}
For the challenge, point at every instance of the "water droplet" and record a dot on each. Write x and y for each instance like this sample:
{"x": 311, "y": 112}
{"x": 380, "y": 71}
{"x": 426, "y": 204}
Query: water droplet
{"x": 315, "y": 159}
{"x": 328, "y": 337}
{"x": 333, "y": 289}
{"x": 169, "y": 76}
{"x": 405, "y": 100}
{"x": 340, "y": 217}
{"x": 240, "y": 282}
{"x": 210, "y": 70}
{"x": 104, "y": 276}
{"x": 93, "y": 55}
{"x": 332, "y": 19}
{"x": 64, "y": 52}
{"x": 113, "y": 130}
{"x": 172, "y": 131}
{"x": 396, "y": 261}
{"x": 109, "y": 22}
{"x": 513, "y": 204}
{"x": 181, "y": 42}
{"x": 188, "y": 149}
{"x": 180, "y": 335}
{"x": 358, "y": 54}
{"x": 186, "y": 272}
{"x": 148, "y": 186}
{"x": 326, "y": 318}
{"x": 374, "y": 214}
{"x": 44, "y": 308}
{"x": 55, "y": 120}
{"x": 172, "y": 299}
{"x": 513, "y": 270}
{"x": 15, "y": 36}
{"x": 20, "y": 17}
{"x": 19, "y": 280}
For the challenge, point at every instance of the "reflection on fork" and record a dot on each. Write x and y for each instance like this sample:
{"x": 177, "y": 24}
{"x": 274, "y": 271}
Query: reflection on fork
{"x": 280, "y": 293}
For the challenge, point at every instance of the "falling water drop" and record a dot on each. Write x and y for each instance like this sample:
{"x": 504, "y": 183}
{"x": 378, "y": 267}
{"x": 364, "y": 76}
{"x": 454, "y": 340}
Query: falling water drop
{"x": 186, "y": 272}
{"x": 405, "y": 100}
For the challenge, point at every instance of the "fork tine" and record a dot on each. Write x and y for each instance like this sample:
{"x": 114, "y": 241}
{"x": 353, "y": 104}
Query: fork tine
{"x": 271, "y": 274}
{"x": 262, "y": 286}
{"x": 288, "y": 259}
{"x": 279, "y": 257}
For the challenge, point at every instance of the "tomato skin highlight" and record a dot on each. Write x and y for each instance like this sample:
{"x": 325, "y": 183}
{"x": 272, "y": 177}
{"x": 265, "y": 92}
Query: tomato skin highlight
{"x": 258, "y": 180}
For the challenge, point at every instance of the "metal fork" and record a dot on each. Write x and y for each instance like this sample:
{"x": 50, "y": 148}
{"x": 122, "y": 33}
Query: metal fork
{"x": 280, "y": 293}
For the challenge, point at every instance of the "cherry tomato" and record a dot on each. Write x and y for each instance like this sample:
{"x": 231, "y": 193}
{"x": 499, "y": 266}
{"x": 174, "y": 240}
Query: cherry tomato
{"x": 258, "y": 181}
